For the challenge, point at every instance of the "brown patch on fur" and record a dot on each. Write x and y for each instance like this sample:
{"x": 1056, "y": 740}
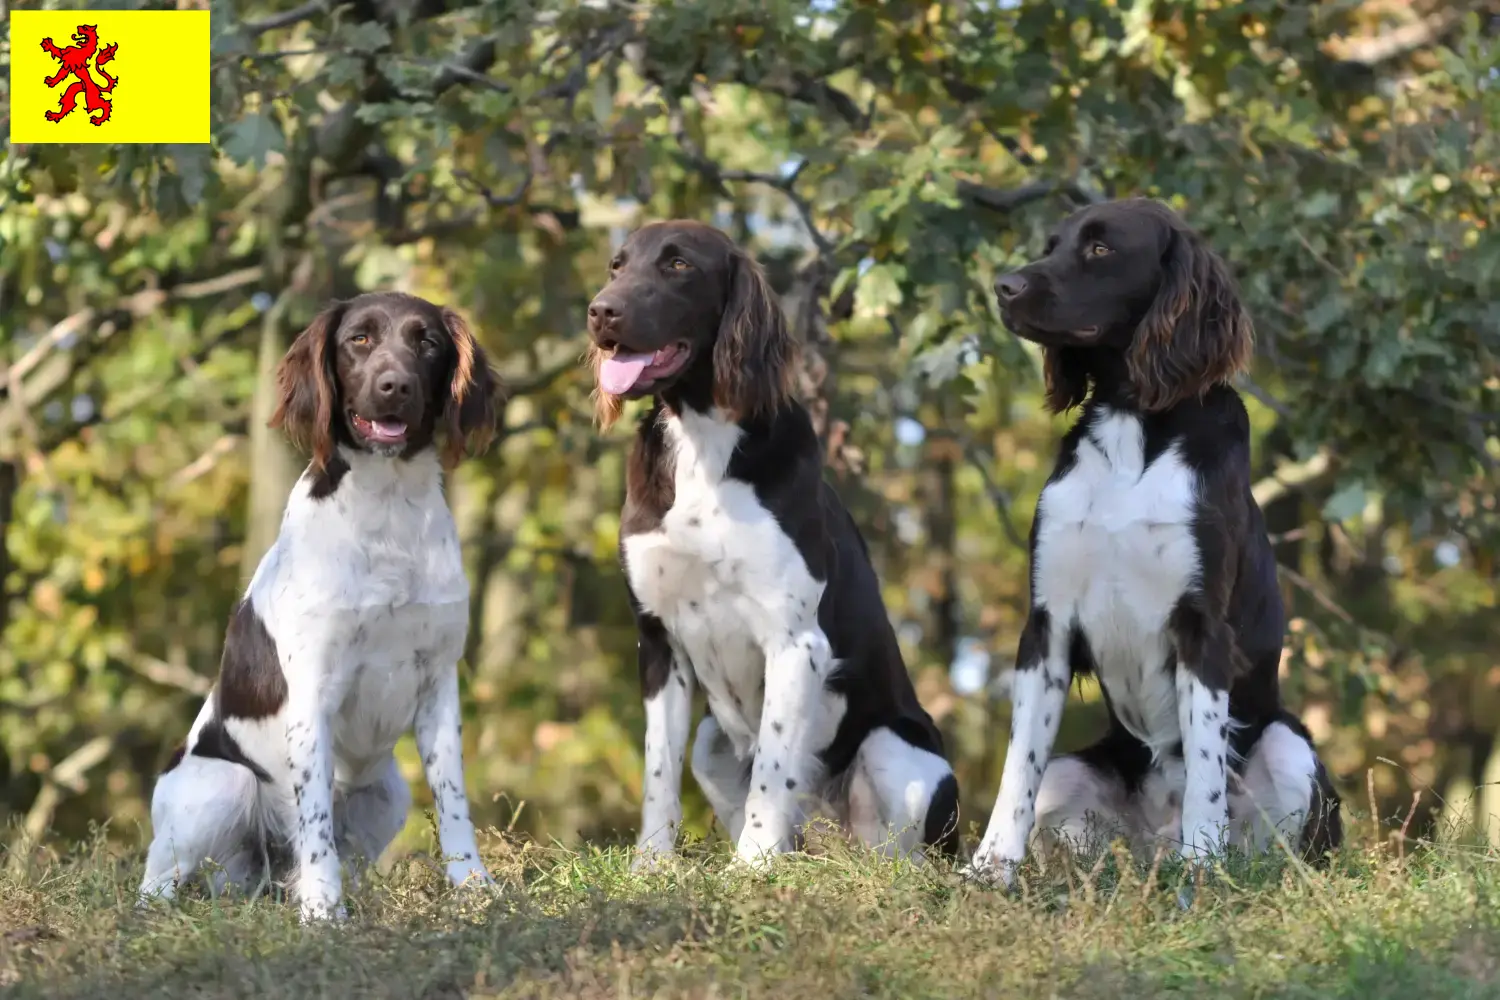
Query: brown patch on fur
{"x": 306, "y": 393}
{"x": 1196, "y": 334}
{"x": 469, "y": 418}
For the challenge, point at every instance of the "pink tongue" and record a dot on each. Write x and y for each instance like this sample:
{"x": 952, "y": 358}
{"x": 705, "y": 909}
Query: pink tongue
{"x": 388, "y": 429}
{"x": 620, "y": 372}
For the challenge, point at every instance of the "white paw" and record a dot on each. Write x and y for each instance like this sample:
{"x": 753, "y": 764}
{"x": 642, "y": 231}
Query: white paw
{"x": 988, "y": 870}
{"x": 315, "y": 911}
{"x": 466, "y": 874}
{"x": 756, "y": 853}
{"x": 1202, "y": 843}
{"x": 649, "y": 859}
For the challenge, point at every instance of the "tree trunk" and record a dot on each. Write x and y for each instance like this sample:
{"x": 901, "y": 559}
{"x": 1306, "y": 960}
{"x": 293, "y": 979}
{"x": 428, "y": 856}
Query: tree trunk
{"x": 274, "y": 467}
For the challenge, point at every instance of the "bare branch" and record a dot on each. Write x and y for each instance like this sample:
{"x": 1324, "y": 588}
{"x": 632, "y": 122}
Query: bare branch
{"x": 467, "y": 181}
{"x": 1291, "y": 475}
{"x": 1397, "y": 42}
{"x": 717, "y": 175}
{"x": 998, "y": 497}
{"x": 997, "y": 200}
{"x": 44, "y": 346}
{"x": 285, "y": 19}
{"x": 204, "y": 462}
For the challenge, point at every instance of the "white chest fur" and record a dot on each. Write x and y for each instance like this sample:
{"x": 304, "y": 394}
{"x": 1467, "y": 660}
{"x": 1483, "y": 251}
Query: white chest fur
{"x": 365, "y": 596}
{"x": 721, "y": 575}
{"x": 1114, "y": 552}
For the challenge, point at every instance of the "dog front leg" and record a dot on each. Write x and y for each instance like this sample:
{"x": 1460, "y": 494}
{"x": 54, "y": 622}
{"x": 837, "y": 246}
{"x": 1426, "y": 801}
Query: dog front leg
{"x": 786, "y": 765}
{"x": 439, "y": 728}
{"x": 310, "y": 762}
{"x": 1038, "y": 692}
{"x": 1203, "y": 652}
{"x": 667, "y": 686}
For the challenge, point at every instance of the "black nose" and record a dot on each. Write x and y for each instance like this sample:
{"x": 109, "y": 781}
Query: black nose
{"x": 1008, "y": 286}
{"x": 395, "y": 386}
{"x": 603, "y": 311}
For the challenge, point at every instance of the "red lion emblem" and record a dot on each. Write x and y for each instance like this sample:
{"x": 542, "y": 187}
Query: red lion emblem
{"x": 75, "y": 62}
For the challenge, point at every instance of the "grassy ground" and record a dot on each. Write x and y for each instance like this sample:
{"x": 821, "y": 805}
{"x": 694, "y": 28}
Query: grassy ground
{"x": 1377, "y": 925}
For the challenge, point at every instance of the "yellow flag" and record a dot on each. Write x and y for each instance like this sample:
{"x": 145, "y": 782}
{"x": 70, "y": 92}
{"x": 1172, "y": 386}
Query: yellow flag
{"x": 111, "y": 76}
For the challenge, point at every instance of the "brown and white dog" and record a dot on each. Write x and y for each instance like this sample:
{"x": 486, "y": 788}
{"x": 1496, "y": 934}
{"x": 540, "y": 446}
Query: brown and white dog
{"x": 747, "y": 576}
{"x": 351, "y": 629}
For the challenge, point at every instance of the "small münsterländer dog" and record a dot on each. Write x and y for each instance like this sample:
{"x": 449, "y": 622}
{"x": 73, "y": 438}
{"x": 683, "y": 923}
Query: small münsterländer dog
{"x": 1150, "y": 565}
{"x": 747, "y": 575}
{"x": 351, "y": 629}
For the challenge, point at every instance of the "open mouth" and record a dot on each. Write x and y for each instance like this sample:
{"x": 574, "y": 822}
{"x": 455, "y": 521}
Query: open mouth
{"x": 625, "y": 371}
{"x": 384, "y": 430}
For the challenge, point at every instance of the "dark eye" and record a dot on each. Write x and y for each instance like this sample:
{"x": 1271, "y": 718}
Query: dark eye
{"x": 614, "y": 265}
{"x": 428, "y": 343}
{"x": 678, "y": 264}
{"x": 1050, "y": 246}
{"x": 1097, "y": 249}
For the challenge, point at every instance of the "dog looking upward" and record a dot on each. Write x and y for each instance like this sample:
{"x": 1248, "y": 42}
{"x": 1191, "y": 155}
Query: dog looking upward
{"x": 746, "y": 574}
{"x": 351, "y": 629}
{"x": 1150, "y": 564}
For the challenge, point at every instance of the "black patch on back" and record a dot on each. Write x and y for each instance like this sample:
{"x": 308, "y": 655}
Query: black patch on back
{"x": 214, "y": 741}
{"x": 251, "y": 684}
{"x": 325, "y": 481}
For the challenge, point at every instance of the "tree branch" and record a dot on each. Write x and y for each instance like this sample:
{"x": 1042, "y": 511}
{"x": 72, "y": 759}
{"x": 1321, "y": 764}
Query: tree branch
{"x": 717, "y": 175}
{"x": 285, "y": 19}
{"x": 998, "y": 497}
{"x": 1290, "y": 476}
{"x": 1398, "y": 41}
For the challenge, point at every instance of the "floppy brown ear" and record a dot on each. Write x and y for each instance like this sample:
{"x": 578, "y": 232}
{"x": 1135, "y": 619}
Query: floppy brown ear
{"x": 755, "y": 353}
{"x": 1066, "y": 376}
{"x": 473, "y": 395}
{"x": 307, "y": 388}
{"x": 607, "y": 408}
{"x": 1196, "y": 333}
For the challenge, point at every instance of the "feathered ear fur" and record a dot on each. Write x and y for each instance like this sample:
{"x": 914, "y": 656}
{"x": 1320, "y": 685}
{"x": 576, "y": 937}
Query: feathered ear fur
{"x": 1196, "y": 333}
{"x": 473, "y": 395}
{"x": 307, "y": 389}
{"x": 755, "y": 355}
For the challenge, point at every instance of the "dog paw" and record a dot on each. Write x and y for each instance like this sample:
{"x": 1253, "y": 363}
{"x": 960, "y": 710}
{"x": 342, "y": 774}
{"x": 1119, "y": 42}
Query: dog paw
{"x": 650, "y": 860}
{"x": 469, "y": 874}
{"x": 990, "y": 873}
{"x": 322, "y": 911}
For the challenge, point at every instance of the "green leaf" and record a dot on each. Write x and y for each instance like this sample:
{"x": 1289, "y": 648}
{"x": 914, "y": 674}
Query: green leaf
{"x": 1347, "y": 501}
{"x": 366, "y": 36}
{"x": 1321, "y": 205}
{"x": 879, "y": 289}
{"x": 253, "y": 138}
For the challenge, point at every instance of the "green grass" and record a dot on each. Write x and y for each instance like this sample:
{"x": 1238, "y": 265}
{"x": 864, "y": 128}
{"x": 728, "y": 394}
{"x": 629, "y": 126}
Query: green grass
{"x": 836, "y": 924}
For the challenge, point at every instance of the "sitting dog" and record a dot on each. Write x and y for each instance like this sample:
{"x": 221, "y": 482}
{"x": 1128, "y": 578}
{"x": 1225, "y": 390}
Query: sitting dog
{"x": 746, "y": 574}
{"x": 1150, "y": 564}
{"x": 351, "y": 629}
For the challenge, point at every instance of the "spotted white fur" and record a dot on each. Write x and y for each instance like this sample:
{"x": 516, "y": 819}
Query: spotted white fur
{"x": 365, "y": 596}
{"x": 741, "y": 609}
{"x": 1114, "y": 552}
{"x": 737, "y": 598}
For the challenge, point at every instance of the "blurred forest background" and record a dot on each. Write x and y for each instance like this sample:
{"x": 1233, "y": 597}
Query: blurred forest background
{"x": 884, "y": 160}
